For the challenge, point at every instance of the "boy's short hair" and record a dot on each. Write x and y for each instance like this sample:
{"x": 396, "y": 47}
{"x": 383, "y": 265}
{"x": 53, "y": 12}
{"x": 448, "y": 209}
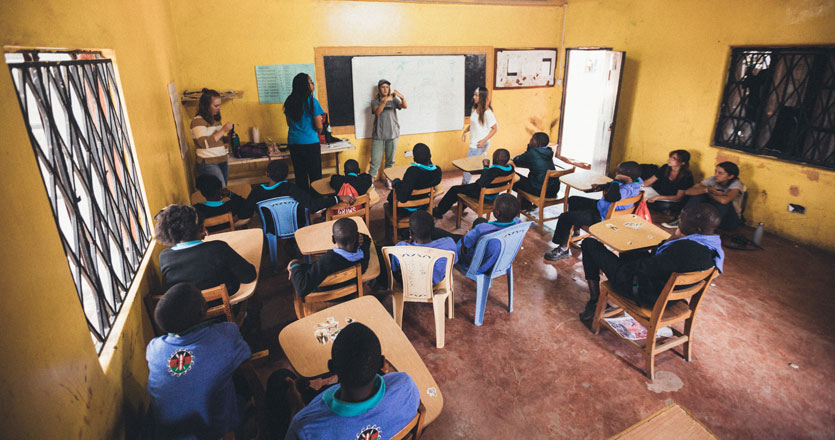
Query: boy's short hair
{"x": 501, "y": 156}
{"x": 541, "y": 138}
{"x": 730, "y": 168}
{"x": 505, "y": 207}
{"x": 356, "y": 355}
{"x": 181, "y": 308}
{"x": 351, "y": 166}
{"x": 277, "y": 170}
{"x": 345, "y": 232}
{"x": 208, "y": 185}
{"x": 421, "y": 223}
{"x": 177, "y": 223}
{"x": 422, "y": 154}
{"x": 630, "y": 169}
{"x": 703, "y": 218}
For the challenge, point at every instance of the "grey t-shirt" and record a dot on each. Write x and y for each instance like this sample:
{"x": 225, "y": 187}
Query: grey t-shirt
{"x": 710, "y": 182}
{"x": 386, "y": 125}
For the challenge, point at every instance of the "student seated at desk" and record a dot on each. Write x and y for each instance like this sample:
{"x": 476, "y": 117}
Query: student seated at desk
{"x": 352, "y": 247}
{"x": 214, "y": 193}
{"x": 422, "y": 229}
{"x": 539, "y": 159}
{"x": 358, "y": 183}
{"x": 364, "y": 405}
{"x": 506, "y": 211}
{"x": 500, "y": 168}
{"x": 190, "y": 369}
{"x": 190, "y": 259}
{"x": 280, "y": 187}
{"x": 421, "y": 175}
{"x": 583, "y": 211}
{"x": 641, "y": 277}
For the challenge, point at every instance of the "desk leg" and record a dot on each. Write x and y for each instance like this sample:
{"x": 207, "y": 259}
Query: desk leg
{"x": 565, "y": 198}
{"x": 337, "y": 162}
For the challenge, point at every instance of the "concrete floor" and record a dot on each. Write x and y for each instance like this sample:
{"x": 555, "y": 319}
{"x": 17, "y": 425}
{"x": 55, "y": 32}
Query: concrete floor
{"x": 763, "y": 347}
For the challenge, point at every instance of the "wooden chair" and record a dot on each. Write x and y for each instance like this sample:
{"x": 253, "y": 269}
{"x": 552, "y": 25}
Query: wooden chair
{"x": 680, "y": 286}
{"x": 417, "y": 264}
{"x": 542, "y": 202}
{"x": 612, "y": 212}
{"x": 414, "y": 429}
{"x": 422, "y": 197}
{"x": 224, "y": 219}
{"x": 481, "y": 206}
{"x": 217, "y": 293}
{"x": 316, "y": 301}
{"x": 362, "y": 203}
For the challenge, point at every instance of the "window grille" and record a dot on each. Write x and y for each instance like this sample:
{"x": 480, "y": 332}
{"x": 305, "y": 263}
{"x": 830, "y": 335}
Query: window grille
{"x": 78, "y": 130}
{"x": 780, "y": 102}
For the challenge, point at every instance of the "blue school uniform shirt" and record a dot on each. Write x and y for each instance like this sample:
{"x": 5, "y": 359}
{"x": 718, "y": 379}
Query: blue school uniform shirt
{"x": 491, "y": 254}
{"x": 439, "y": 270}
{"x": 392, "y": 407}
{"x": 190, "y": 381}
{"x": 627, "y": 190}
{"x": 303, "y": 131}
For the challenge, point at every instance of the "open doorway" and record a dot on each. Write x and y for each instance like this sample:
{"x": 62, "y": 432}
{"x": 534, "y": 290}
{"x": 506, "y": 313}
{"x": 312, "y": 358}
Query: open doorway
{"x": 589, "y": 106}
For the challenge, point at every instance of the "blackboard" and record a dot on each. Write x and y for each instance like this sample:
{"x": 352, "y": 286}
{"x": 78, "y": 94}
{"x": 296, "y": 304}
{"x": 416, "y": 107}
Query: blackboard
{"x": 340, "y": 95}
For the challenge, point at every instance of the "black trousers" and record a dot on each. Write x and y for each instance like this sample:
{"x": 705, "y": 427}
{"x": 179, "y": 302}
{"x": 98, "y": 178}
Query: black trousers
{"x": 596, "y": 258}
{"x": 451, "y": 196}
{"x": 526, "y": 185}
{"x": 727, "y": 213}
{"x": 582, "y": 211}
{"x": 307, "y": 163}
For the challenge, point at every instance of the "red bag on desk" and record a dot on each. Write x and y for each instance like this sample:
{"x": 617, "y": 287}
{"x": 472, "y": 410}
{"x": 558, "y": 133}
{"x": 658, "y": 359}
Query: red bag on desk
{"x": 643, "y": 211}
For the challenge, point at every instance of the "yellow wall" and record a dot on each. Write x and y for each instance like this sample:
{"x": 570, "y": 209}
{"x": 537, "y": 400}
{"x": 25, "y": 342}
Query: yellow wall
{"x": 285, "y": 32}
{"x": 676, "y": 64}
{"x": 52, "y": 384}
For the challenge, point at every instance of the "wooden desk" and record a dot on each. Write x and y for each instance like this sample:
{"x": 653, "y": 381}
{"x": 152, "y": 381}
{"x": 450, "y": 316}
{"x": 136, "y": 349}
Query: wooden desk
{"x": 249, "y": 243}
{"x": 628, "y": 233}
{"x": 471, "y": 164}
{"x": 317, "y": 239}
{"x": 253, "y": 170}
{"x": 398, "y": 172}
{"x": 670, "y": 422}
{"x": 310, "y": 357}
{"x": 241, "y": 190}
{"x": 323, "y": 187}
{"x": 583, "y": 180}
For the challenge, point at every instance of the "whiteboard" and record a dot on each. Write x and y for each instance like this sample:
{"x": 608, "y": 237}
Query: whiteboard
{"x": 432, "y": 85}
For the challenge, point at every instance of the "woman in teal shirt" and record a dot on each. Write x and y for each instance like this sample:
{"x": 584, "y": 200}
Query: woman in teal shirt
{"x": 303, "y": 114}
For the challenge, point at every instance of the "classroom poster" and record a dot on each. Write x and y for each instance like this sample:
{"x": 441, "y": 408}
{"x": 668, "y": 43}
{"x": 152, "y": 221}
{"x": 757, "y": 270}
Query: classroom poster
{"x": 275, "y": 81}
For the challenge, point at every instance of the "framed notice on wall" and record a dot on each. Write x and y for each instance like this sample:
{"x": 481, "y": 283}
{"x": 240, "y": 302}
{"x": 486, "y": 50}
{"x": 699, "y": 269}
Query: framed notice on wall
{"x": 525, "y": 68}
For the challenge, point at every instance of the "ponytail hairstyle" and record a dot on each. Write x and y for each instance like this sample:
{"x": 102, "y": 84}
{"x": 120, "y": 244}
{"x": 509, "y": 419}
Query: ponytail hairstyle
{"x": 205, "y": 102}
{"x": 683, "y": 156}
{"x": 483, "y": 103}
{"x": 299, "y": 98}
{"x": 730, "y": 168}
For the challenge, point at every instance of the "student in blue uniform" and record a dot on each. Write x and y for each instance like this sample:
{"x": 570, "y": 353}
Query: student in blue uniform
{"x": 422, "y": 228}
{"x": 506, "y": 211}
{"x": 500, "y": 168}
{"x": 364, "y": 405}
{"x": 214, "y": 193}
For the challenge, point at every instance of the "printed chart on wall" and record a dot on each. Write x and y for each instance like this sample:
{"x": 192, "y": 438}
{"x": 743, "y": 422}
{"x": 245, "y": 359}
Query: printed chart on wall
{"x": 433, "y": 86}
{"x": 525, "y": 68}
{"x": 275, "y": 81}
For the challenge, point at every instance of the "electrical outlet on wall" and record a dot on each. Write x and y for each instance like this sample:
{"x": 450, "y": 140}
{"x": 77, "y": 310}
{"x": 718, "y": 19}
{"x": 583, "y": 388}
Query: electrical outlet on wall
{"x": 408, "y": 153}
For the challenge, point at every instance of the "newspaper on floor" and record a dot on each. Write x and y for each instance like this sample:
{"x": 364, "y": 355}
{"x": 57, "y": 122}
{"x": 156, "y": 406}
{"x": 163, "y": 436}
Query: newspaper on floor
{"x": 629, "y": 328}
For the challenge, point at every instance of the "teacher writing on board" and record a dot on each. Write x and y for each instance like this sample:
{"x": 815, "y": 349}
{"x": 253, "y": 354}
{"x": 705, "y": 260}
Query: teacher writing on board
{"x": 386, "y": 127}
{"x": 304, "y": 120}
{"x": 483, "y": 126}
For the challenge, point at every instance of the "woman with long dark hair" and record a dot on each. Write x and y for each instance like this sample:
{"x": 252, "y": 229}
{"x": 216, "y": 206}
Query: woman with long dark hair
{"x": 303, "y": 114}
{"x": 483, "y": 126}
{"x": 211, "y": 151}
{"x": 665, "y": 189}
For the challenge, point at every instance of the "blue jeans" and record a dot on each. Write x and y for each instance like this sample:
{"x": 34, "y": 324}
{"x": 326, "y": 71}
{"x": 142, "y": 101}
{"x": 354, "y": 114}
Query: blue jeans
{"x": 377, "y": 147}
{"x": 219, "y": 170}
{"x": 474, "y": 152}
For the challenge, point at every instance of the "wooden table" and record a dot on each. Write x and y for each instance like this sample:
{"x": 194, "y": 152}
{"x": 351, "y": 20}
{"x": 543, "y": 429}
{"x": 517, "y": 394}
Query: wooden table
{"x": 323, "y": 187}
{"x": 252, "y": 170}
{"x": 583, "y": 180}
{"x": 628, "y": 233}
{"x": 399, "y": 171}
{"x": 471, "y": 164}
{"x": 249, "y": 243}
{"x": 317, "y": 239}
{"x": 668, "y": 423}
{"x": 310, "y": 357}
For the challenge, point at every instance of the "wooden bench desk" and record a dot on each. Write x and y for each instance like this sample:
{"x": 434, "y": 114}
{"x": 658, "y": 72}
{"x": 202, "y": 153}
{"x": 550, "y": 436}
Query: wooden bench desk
{"x": 628, "y": 233}
{"x": 317, "y": 239}
{"x": 249, "y": 243}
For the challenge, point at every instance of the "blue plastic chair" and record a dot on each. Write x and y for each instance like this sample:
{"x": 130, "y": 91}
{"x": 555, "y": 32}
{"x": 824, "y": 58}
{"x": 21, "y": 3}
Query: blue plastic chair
{"x": 282, "y": 211}
{"x": 511, "y": 240}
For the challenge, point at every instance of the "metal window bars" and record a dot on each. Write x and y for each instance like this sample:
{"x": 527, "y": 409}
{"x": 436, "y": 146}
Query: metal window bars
{"x": 780, "y": 102}
{"x": 77, "y": 128}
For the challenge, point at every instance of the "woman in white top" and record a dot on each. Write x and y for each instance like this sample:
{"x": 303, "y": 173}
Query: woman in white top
{"x": 483, "y": 126}
{"x": 208, "y": 137}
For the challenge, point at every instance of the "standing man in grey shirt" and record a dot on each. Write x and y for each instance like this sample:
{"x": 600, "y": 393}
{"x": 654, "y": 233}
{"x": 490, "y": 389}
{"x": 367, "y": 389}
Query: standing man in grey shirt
{"x": 386, "y": 128}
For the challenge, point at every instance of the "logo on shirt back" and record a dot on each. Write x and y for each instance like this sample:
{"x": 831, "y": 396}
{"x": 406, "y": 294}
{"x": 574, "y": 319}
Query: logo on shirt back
{"x": 180, "y": 362}
{"x": 369, "y": 433}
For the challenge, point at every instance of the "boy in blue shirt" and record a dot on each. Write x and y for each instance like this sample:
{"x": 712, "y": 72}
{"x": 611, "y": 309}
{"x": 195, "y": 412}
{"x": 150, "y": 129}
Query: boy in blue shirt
{"x": 190, "y": 368}
{"x": 422, "y": 227}
{"x": 583, "y": 211}
{"x": 363, "y": 404}
{"x": 506, "y": 211}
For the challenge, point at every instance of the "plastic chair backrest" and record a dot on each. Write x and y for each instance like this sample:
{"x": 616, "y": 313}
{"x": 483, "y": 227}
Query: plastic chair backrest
{"x": 417, "y": 264}
{"x": 511, "y": 239}
{"x": 283, "y": 213}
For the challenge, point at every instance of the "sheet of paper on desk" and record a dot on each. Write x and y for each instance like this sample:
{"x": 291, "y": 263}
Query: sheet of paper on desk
{"x": 341, "y": 144}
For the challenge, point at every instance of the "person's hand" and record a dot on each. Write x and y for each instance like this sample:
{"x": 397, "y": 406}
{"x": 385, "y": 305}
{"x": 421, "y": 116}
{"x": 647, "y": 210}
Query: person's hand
{"x": 347, "y": 199}
{"x": 397, "y": 94}
{"x": 225, "y": 193}
{"x": 360, "y": 239}
{"x": 464, "y": 137}
{"x": 714, "y": 191}
{"x": 227, "y": 127}
{"x": 289, "y": 265}
{"x": 486, "y": 163}
{"x": 652, "y": 199}
{"x": 481, "y": 143}
{"x": 596, "y": 187}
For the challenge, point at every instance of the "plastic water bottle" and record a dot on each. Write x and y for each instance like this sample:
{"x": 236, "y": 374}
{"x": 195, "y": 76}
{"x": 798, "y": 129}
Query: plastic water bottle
{"x": 758, "y": 234}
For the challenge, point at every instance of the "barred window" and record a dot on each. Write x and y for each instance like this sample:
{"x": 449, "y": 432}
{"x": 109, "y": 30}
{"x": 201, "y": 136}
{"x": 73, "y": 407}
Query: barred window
{"x": 78, "y": 130}
{"x": 780, "y": 102}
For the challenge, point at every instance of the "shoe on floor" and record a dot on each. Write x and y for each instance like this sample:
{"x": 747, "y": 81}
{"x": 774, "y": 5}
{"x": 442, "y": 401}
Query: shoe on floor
{"x": 672, "y": 224}
{"x": 388, "y": 184}
{"x": 558, "y": 253}
{"x": 588, "y": 313}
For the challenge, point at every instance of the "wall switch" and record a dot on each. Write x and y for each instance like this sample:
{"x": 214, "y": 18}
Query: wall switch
{"x": 408, "y": 153}
{"x": 796, "y": 208}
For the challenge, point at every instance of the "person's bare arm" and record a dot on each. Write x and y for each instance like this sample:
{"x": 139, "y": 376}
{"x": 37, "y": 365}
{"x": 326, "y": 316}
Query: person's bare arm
{"x": 696, "y": 189}
{"x": 379, "y": 109}
{"x": 493, "y": 131}
{"x": 402, "y": 105}
{"x": 724, "y": 199}
{"x": 650, "y": 181}
{"x": 317, "y": 122}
